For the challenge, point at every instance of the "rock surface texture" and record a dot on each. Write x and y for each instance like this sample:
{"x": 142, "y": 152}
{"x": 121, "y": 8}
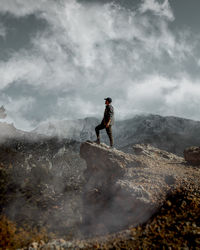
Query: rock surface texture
{"x": 41, "y": 183}
{"x": 122, "y": 191}
{"x": 192, "y": 155}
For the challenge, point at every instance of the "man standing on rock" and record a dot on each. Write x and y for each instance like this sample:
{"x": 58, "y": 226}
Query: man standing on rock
{"x": 107, "y": 121}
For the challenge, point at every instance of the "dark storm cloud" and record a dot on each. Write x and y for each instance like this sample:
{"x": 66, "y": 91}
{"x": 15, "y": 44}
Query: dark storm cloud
{"x": 187, "y": 14}
{"x": 17, "y": 33}
{"x": 83, "y": 52}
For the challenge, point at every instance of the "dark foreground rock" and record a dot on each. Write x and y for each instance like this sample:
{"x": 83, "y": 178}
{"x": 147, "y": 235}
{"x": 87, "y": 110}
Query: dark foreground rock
{"x": 192, "y": 155}
{"x": 40, "y": 184}
{"x": 147, "y": 200}
{"x": 141, "y": 200}
{"x": 175, "y": 226}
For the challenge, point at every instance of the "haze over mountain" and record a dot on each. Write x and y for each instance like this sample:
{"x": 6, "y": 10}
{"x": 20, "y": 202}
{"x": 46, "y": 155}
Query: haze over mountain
{"x": 169, "y": 133}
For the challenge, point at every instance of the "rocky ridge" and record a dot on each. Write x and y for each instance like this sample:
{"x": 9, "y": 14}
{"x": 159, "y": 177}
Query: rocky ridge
{"x": 124, "y": 191}
{"x": 122, "y": 188}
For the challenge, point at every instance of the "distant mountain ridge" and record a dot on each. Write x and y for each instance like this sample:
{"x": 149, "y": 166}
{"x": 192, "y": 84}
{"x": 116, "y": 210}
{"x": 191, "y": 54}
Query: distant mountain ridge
{"x": 169, "y": 133}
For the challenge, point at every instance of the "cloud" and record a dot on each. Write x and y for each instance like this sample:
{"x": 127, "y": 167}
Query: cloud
{"x": 21, "y": 8}
{"x": 21, "y": 67}
{"x": 15, "y": 112}
{"x": 3, "y": 30}
{"x": 90, "y": 51}
{"x": 175, "y": 97}
{"x": 160, "y": 9}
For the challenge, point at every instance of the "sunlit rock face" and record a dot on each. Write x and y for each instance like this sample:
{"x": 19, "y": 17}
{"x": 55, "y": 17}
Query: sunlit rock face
{"x": 124, "y": 189}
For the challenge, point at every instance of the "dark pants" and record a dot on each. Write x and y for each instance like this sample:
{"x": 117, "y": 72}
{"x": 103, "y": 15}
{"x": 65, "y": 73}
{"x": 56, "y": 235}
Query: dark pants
{"x": 108, "y": 130}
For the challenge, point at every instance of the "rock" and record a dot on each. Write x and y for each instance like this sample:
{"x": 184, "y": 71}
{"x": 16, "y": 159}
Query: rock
{"x": 57, "y": 244}
{"x": 192, "y": 155}
{"x": 34, "y": 246}
{"x": 121, "y": 188}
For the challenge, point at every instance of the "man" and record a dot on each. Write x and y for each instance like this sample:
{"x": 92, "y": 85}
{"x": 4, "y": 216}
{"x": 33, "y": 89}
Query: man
{"x": 107, "y": 121}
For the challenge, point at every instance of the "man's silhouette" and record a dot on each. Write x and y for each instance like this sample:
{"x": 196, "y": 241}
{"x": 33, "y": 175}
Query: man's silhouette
{"x": 107, "y": 121}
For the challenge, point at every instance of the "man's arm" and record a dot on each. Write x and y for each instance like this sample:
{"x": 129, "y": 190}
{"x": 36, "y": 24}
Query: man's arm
{"x": 108, "y": 123}
{"x": 110, "y": 114}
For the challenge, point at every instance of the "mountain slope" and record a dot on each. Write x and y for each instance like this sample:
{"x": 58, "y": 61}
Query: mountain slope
{"x": 168, "y": 133}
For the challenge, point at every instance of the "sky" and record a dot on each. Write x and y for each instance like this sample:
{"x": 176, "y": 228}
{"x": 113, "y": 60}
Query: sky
{"x": 59, "y": 59}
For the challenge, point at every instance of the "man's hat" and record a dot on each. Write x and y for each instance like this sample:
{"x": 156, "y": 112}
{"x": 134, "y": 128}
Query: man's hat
{"x": 108, "y": 99}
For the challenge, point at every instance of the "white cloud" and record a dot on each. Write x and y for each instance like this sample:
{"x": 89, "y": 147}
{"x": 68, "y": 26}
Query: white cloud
{"x": 166, "y": 96}
{"x": 20, "y": 8}
{"x": 15, "y": 109}
{"x": 93, "y": 51}
{"x": 161, "y": 9}
{"x": 22, "y": 67}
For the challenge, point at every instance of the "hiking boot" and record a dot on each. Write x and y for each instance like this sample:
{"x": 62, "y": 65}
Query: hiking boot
{"x": 97, "y": 141}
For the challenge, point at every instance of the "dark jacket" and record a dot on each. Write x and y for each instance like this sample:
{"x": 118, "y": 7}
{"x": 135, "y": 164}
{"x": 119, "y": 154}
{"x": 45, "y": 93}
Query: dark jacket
{"x": 108, "y": 114}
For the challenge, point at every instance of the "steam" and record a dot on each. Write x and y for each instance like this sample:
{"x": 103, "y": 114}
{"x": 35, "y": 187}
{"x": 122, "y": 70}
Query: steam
{"x": 89, "y": 51}
{"x": 47, "y": 181}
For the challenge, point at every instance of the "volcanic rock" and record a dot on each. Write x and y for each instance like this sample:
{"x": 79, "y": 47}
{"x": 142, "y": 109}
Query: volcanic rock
{"x": 136, "y": 201}
{"x": 123, "y": 189}
{"x": 192, "y": 155}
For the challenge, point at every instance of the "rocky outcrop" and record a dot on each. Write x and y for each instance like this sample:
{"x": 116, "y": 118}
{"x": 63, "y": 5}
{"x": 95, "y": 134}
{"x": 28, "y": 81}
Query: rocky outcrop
{"x": 124, "y": 189}
{"x": 192, "y": 155}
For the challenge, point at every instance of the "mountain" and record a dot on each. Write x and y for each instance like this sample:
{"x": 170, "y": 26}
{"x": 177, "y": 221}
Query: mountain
{"x": 172, "y": 134}
{"x": 169, "y": 133}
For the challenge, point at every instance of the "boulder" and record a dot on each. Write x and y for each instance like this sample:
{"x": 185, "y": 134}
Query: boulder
{"x": 192, "y": 155}
{"x": 123, "y": 189}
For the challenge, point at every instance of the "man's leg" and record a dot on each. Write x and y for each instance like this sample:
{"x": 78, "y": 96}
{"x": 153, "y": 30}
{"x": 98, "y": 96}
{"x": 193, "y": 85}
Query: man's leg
{"x": 99, "y": 127}
{"x": 109, "y": 132}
